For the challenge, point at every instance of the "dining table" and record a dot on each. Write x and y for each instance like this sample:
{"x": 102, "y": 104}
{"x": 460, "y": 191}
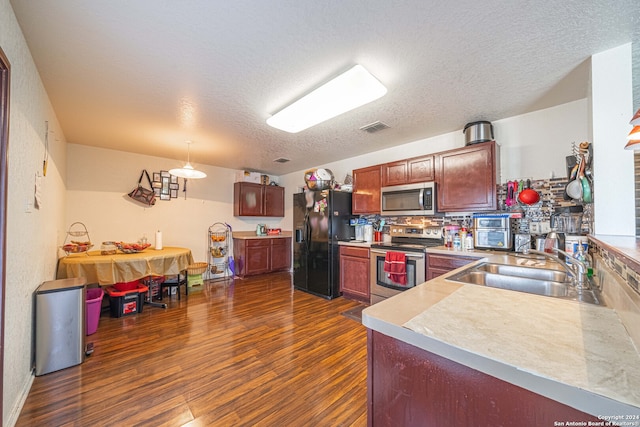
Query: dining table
{"x": 124, "y": 267}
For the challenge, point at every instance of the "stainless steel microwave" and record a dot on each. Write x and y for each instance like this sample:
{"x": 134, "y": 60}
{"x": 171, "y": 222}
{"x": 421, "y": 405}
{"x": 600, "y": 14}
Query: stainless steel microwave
{"x": 411, "y": 199}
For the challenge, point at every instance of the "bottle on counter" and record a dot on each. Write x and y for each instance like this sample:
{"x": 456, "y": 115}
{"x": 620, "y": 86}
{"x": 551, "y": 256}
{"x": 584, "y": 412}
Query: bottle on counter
{"x": 463, "y": 238}
{"x": 582, "y": 255}
{"x": 468, "y": 246}
{"x": 456, "y": 242}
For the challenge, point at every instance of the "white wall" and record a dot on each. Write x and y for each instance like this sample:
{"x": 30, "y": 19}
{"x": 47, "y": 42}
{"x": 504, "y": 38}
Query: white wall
{"x": 32, "y": 238}
{"x": 98, "y": 180}
{"x": 611, "y": 109}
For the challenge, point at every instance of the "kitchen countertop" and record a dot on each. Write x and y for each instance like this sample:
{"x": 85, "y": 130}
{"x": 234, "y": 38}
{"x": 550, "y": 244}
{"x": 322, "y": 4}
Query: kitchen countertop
{"x": 626, "y": 246}
{"x": 575, "y": 353}
{"x": 252, "y": 235}
{"x": 358, "y": 244}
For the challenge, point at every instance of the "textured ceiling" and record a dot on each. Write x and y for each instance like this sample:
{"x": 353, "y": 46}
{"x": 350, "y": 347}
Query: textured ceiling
{"x": 144, "y": 76}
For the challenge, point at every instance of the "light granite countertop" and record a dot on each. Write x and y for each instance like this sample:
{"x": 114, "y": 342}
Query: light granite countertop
{"x": 356, "y": 243}
{"x": 575, "y": 353}
{"x": 252, "y": 235}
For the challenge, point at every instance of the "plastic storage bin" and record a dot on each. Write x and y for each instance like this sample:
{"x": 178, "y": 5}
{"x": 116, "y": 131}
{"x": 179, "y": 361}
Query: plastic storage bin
{"x": 123, "y": 303}
{"x": 94, "y": 305}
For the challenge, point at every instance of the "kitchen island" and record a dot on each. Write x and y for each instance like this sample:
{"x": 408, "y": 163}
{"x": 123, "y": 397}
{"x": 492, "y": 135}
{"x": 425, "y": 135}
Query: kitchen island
{"x": 446, "y": 353}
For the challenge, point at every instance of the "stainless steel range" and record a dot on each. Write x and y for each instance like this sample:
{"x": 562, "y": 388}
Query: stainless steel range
{"x": 411, "y": 241}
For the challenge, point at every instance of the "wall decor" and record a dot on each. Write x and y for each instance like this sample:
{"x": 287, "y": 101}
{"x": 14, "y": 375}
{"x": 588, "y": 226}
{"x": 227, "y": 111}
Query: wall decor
{"x": 165, "y": 185}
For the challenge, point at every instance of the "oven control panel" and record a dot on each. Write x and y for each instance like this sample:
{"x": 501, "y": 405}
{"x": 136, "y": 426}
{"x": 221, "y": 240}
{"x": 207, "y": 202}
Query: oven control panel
{"x": 415, "y": 231}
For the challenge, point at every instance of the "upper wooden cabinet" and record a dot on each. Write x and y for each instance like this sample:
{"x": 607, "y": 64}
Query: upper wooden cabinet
{"x": 417, "y": 169}
{"x": 366, "y": 190}
{"x": 466, "y": 178}
{"x": 251, "y": 199}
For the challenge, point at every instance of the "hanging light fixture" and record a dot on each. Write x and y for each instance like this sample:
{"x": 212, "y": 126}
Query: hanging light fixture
{"x": 634, "y": 135}
{"x": 349, "y": 90}
{"x": 187, "y": 171}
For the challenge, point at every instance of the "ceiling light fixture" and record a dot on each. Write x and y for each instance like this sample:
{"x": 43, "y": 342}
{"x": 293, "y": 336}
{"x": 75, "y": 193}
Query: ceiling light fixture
{"x": 634, "y": 135}
{"x": 349, "y": 90}
{"x": 187, "y": 171}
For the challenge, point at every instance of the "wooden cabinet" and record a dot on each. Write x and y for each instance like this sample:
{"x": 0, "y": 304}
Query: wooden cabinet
{"x": 466, "y": 178}
{"x": 261, "y": 255}
{"x": 409, "y": 171}
{"x": 251, "y": 199}
{"x": 280, "y": 254}
{"x": 273, "y": 201}
{"x": 407, "y": 385}
{"x": 354, "y": 273}
{"x": 366, "y": 190}
{"x": 438, "y": 264}
{"x": 394, "y": 173}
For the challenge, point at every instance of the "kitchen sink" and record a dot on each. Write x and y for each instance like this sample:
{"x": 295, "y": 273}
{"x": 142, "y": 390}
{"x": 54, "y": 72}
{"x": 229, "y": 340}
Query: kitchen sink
{"x": 514, "y": 283}
{"x": 533, "y": 280}
{"x": 526, "y": 272}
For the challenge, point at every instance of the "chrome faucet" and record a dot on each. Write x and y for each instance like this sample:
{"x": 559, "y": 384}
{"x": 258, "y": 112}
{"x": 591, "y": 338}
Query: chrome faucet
{"x": 577, "y": 269}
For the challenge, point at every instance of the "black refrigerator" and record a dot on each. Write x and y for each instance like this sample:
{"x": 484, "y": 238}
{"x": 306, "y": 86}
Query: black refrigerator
{"x": 320, "y": 221}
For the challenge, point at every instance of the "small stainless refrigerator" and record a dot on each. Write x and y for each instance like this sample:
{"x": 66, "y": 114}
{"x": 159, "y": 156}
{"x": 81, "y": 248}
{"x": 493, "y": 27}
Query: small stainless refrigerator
{"x": 60, "y": 325}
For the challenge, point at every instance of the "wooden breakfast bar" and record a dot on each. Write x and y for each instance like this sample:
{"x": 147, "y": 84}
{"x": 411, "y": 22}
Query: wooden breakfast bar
{"x": 122, "y": 268}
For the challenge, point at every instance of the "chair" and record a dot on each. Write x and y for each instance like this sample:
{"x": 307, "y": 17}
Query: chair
{"x": 172, "y": 282}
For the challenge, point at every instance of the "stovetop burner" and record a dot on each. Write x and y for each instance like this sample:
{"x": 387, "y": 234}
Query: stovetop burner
{"x": 409, "y": 247}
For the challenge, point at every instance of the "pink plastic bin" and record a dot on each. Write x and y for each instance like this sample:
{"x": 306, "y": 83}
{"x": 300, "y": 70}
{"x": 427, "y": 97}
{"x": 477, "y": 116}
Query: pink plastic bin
{"x": 94, "y": 305}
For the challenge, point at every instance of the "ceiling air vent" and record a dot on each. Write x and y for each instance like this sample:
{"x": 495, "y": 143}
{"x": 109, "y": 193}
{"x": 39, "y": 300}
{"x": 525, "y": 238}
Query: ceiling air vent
{"x": 282, "y": 160}
{"x": 374, "y": 127}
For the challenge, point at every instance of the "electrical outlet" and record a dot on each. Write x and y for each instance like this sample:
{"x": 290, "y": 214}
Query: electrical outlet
{"x": 545, "y": 227}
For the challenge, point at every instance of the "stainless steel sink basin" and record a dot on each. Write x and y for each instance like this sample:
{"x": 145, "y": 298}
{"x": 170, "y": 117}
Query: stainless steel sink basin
{"x": 514, "y": 283}
{"x": 526, "y": 272}
{"x": 533, "y": 280}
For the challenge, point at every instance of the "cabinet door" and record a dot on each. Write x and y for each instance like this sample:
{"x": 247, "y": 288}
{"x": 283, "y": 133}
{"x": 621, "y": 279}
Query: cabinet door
{"x": 420, "y": 169}
{"x": 257, "y": 256}
{"x": 248, "y": 199}
{"x": 366, "y": 190}
{"x": 438, "y": 265}
{"x": 354, "y": 273}
{"x": 394, "y": 173}
{"x": 273, "y": 200}
{"x": 280, "y": 254}
{"x": 466, "y": 179}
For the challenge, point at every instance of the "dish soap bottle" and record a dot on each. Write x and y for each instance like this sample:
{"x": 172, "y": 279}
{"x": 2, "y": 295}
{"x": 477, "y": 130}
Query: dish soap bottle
{"x": 584, "y": 256}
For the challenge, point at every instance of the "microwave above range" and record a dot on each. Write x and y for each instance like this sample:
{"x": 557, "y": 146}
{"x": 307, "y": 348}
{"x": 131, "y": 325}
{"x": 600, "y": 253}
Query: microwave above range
{"x": 411, "y": 199}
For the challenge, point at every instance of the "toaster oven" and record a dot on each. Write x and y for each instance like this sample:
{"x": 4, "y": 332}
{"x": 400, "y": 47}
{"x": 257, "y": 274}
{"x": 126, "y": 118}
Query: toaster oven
{"x": 493, "y": 231}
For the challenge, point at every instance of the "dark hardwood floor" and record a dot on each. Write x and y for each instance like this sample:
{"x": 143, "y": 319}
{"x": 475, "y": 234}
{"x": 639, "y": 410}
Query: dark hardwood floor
{"x": 251, "y": 353}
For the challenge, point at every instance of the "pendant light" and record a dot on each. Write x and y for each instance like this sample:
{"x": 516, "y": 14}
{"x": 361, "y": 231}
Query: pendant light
{"x": 187, "y": 171}
{"x": 634, "y": 135}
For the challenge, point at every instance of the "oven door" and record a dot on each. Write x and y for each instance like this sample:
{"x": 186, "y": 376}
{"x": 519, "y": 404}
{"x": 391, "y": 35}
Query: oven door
{"x": 382, "y": 286}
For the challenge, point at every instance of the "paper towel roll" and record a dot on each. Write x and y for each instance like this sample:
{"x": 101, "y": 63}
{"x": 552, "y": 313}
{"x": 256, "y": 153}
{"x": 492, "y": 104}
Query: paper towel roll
{"x": 158, "y": 240}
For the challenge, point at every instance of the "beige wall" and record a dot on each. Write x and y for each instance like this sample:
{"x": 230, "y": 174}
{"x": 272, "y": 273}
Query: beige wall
{"x": 32, "y": 236}
{"x": 99, "y": 179}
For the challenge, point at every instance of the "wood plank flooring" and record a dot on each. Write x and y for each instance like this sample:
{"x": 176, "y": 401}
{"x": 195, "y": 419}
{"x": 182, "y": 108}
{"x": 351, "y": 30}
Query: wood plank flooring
{"x": 253, "y": 352}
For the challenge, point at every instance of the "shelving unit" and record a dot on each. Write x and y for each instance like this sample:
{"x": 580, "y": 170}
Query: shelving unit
{"x": 219, "y": 237}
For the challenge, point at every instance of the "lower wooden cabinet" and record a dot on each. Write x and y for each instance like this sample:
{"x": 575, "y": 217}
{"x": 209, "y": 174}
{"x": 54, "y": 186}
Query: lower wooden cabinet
{"x": 261, "y": 255}
{"x": 354, "y": 273}
{"x": 439, "y": 264}
{"x": 407, "y": 385}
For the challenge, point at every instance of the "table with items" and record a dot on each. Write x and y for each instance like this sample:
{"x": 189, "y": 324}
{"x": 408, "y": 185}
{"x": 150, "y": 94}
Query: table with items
{"x": 125, "y": 267}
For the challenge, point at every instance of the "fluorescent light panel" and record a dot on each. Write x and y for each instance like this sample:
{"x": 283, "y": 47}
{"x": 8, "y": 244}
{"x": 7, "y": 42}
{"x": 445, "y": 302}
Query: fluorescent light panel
{"x": 349, "y": 90}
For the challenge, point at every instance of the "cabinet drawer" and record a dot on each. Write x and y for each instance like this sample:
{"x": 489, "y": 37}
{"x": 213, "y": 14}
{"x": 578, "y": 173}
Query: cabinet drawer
{"x": 355, "y": 252}
{"x": 258, "y": 242}
{"x": 279, "y": 242}
{"x": 448, "y": 262}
